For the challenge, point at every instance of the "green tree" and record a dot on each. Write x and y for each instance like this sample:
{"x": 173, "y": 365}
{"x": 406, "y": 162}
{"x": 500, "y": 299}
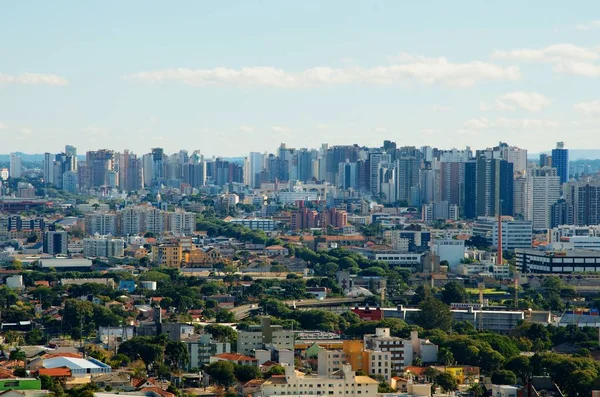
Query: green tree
{"x": 18, "y": 356}
{"x": 447, "y": 381}
{"x": 454, "y": 292}
{"x": 177, "y": 354}
{"x": 445, "y": 356}
{"x": 520, "y": 366}
{"x": 275, "y": 370}
{"x": 222, "y": 373}
{"x": 504, "y": 377}
{"x": 245, "y": 373}
{"x": 225, "y": 316}
{"x": 434, "y": 314}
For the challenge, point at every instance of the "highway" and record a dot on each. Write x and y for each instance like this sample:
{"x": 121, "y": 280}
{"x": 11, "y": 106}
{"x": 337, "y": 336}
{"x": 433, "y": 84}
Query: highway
{"x": 244, "y": 311}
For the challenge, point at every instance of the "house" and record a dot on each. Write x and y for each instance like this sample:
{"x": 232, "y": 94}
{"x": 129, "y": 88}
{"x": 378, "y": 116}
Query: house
{"x": 318, "y": 292}
{"x": 238, "y": 359}
{"x": 117, "y": 381}
{"x": 276, "y": 250}
{"x": 251, "y": 388}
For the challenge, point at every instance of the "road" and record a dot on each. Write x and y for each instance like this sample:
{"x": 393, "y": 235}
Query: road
{"x": 243, "y": 311}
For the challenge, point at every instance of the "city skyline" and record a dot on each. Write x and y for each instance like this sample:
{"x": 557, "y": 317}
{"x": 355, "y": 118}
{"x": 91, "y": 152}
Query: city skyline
{"x": 229, "y": 79}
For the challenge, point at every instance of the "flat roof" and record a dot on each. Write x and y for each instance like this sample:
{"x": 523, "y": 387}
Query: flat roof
{"x": 65, "y": 262}
{"x": 73, "y": 363}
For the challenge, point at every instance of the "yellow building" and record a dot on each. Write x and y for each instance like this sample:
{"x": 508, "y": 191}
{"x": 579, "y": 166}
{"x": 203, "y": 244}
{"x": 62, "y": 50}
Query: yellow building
{"x": 355, "y": 354}
{"x": 169, "y": 255}
{"x": 464, "y": 374}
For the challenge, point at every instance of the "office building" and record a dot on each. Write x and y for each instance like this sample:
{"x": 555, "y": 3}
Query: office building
{"x": 409, "y": 240}
{"x": 264, "y": 224}
{"x": 494, "y": 187}
{"x": 15, "y": 165}
{"x": 515, "y": 234}
{"x": 584, "y": 199}
{"x": 561, "y": 213}
{"x": 560, "y": 161}
{"x": 48, "y": 166}
{"x": 439, "y": 210}
{"x": 543, "y": 190}
{"x": 555, "y": 262}
{"x": 56, "y": 242}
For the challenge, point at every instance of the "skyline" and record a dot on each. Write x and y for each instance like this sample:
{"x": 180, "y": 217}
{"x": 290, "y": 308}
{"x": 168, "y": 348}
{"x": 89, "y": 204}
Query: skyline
{"x": 231, "y": 78}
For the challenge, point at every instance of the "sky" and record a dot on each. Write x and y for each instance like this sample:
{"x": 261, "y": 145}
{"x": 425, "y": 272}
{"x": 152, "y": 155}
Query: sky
{"x": 230, "y": 77}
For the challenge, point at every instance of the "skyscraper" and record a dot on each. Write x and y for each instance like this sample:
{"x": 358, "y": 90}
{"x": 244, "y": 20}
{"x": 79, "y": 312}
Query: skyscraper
{"x": 48, "y": 167}
{"x": 560, "y": 161}
{"x": 15, "y": 166}
{"x": 543, "y": 190}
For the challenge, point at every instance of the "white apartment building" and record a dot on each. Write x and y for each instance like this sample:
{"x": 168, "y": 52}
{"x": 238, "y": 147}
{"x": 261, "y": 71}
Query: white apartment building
{"x": 103, "y": 246}
{"x": 543, "y": 190}
{"x": 101, "y": 223}
{"x": 155, "y": 221}
{"x": 259, "y": 337}
{"x": 403, "y": 351}
{"x": 343, "y": 383}
{"x": 515, "y": 234}
{"x": 181, "y": 222}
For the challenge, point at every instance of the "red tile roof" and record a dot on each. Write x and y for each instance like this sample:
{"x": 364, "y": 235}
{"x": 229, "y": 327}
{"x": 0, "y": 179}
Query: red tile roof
{"x": 234, "y": 357}
{"x": 55, "y": 372}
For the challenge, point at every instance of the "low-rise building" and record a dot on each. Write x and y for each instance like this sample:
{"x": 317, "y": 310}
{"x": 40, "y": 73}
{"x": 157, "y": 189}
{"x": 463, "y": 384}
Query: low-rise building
{"x": 344, "y": 382}
{"x": 263, "y": 336}
{"x": 238, "y": 359}
{"x": 202, "y": 347}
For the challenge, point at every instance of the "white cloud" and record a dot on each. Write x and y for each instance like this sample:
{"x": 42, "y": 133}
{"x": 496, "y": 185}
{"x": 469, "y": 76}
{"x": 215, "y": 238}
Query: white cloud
{"x": 33, "y": 78}
{"x": 25, "y": 131}
{"x": 579, "y": 68}
{"x": 567, "y": 58}
{"x": 557, "y": 53}
{"x": 505, "y": 123}
{"x": 477, "y": 124}
{"x": 525, "y": 123}
{"x": 322, "y": 126}
{"x": 531, "y": 101}
{"x": 3, "y": 126}
{"x": 380, "y": 129}
{"x": 245, "y": 129}
{"x": 588, "y": 26}
{"x": 589, "y": 108}
{"x": 405, "y": 69}
{"x": 281, "y": 130}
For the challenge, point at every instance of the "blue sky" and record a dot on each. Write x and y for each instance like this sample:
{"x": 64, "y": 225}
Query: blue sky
{"x": 232, "y": 77}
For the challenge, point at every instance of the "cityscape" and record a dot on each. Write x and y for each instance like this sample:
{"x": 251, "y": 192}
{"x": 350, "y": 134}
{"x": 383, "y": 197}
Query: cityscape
{"x": 294, "y": 199}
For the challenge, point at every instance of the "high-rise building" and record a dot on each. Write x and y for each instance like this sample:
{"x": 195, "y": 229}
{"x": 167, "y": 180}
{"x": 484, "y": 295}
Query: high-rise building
{"x": 253, "y": 166}
{"x": 469, "y": 192}
{"x": 561, "y": 213}
{"x": 48, "y": 168}
{"x": 584, "y": 198}
{"x": 494, "y": 187}
{"x": 560, "y": 161}
{"x": 543, "y": 190}
{"x": 55, "y": 242}
{"x": 407, "y": 178}
{"x": 100, "y": 163}
{"x": 15, "y": 165}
